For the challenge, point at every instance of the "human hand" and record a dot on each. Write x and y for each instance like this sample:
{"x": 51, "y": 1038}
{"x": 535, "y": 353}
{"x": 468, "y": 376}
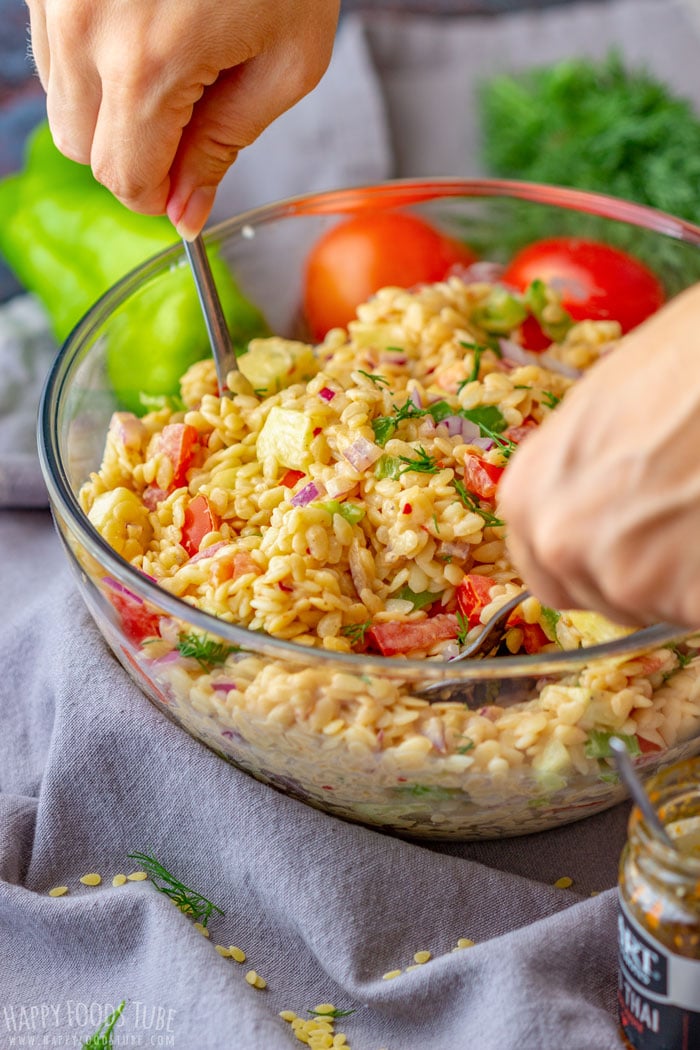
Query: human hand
{"x": 159, "y": 98}
{"x": 602, "y": 502}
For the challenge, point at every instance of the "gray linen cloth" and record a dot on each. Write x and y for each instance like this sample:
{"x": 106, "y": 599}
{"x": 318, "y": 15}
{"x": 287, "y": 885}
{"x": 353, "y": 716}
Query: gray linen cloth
{"x": 90, "y": 771}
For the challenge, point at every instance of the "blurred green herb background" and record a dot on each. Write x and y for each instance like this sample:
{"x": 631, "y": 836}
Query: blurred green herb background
{"x": 597, "y": 126}
{"x": 600, "y": 126}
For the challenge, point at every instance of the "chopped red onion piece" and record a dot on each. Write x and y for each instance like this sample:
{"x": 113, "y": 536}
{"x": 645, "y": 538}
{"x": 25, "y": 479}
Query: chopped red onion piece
{"x": 224, "y": 687}
{"x": 470, "y": 431}
{"x": 326, "y": 393}
{"x": 434, "y": 730}
{"x": 362, "y": 453}
{"x": 455, "y": 549}
{"x": 454, "y": 425}
{"x": 128, "y": 428}
{"x": 152, "y": 496}
{"x": 169, "y": 630}
{"x": 458, "y": 426}
{"x": 558, "y": 366}
{"x": 483, "y": 442}
{"x": 306, "y": 495}
{"x": 116, "y": 586}
{"x": 492, "y": 712}
{"x": 484, "y": 270}
{"x": 517, "y": 354}
{"x": 208, "y": 552}
{"x": 416, "y": 398}
{"x": 167, "y": 658}
{"x": 427, "y": 427}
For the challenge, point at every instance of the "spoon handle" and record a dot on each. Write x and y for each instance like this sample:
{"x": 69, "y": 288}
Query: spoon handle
{"x": 217, "y": 329}
{"x": 636, "y": 790}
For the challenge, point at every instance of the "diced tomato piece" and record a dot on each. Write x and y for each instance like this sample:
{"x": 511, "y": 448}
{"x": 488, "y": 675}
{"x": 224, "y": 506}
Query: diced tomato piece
{"x": 136, "y": 620}
{"x": 518, "y": 434}
{"x": 651, "y": 663}
{"x": 199, "y": 520}
{"x": 290, "y": 478}
{"x": 481, "y": 477}
{"x": 243, "y": 564}
{"x": 534, "y": 638}
{"x": 647, "y": 746}
{"x": 533, "y": 337}
{"x": 473, "y": 595}
{"x": 177, "y": 441}
{"x": 395, "y": 638}
{"x": 593, "y": 279}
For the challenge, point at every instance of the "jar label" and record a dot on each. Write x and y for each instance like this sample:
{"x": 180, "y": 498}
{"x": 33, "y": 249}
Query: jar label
{"x": 658, "y": 992}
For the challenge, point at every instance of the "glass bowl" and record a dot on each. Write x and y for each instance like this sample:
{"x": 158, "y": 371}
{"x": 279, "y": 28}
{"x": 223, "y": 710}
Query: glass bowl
{"x": 345, "y": 732}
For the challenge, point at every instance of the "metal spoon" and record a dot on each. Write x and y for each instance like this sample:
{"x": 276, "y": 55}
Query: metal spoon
{"x": 636, "y": 790}
{"x": 492, "y": 633}
{"x": 489, "y": 637}
{"x": 217, "y": 329}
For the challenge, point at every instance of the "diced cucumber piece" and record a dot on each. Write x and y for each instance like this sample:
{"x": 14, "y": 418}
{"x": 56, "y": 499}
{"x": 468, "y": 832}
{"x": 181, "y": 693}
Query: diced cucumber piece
{"x": 273, "y": 364}
{"x": 551, "y": 765}
{"x": 595, "y": 628}
{"x": 287, "y": 435}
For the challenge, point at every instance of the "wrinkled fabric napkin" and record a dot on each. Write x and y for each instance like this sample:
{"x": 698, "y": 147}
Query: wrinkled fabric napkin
{"x": 90, "y": 771}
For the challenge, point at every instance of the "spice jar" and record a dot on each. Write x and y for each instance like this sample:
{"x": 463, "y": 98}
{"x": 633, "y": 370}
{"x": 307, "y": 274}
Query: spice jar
{"x": 659, "y": 918}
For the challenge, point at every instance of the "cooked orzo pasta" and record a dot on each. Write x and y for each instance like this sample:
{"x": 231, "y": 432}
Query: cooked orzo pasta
{"x": 346, "y": 498}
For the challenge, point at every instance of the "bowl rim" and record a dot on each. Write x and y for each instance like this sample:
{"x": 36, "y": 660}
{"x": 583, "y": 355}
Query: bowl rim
{"x": 365, "y": 197}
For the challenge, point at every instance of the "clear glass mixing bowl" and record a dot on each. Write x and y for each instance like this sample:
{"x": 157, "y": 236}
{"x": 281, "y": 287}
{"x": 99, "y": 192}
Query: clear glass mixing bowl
{"x": 319, "y": 725}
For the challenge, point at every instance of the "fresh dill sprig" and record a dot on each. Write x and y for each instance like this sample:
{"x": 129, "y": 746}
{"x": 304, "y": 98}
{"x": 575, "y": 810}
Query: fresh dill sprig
{"x": 506, "y": 446}
{"x": 421, "y": 464}
{"x": 471, "y": 503}
{"x": 478, "y": 349}
{"x": 189, "y": 901}
{"x": 376, "y": 379}
{"x": 462, "y": 630}
{"x": 385, "y": 427}
{"x": 549, "y": 399}
{"x": 491, "y": 423}
{"x": 102, "y": 1038}
{"x": 683, "y": 658}
{"x": 356, "y": 631}
{"x": 206, "y": 651}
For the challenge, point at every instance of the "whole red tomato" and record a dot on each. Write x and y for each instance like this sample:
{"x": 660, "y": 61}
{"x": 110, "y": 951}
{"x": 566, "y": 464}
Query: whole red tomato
{"x": 356, "y": 258}
{"x": 594, "y": 280}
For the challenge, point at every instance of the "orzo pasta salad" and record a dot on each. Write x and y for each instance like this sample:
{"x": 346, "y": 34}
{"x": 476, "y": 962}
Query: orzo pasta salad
{"x": 346, "y": 498}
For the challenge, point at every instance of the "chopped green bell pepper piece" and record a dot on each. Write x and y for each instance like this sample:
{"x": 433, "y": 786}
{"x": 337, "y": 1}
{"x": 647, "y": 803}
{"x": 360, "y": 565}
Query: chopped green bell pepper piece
{"x": 68, "y": 240}
{"x": 500, "y": 312}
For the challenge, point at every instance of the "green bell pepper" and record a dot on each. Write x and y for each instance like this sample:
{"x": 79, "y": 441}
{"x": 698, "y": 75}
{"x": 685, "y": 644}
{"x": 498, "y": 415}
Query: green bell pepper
{"x": 68, "y": 240}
